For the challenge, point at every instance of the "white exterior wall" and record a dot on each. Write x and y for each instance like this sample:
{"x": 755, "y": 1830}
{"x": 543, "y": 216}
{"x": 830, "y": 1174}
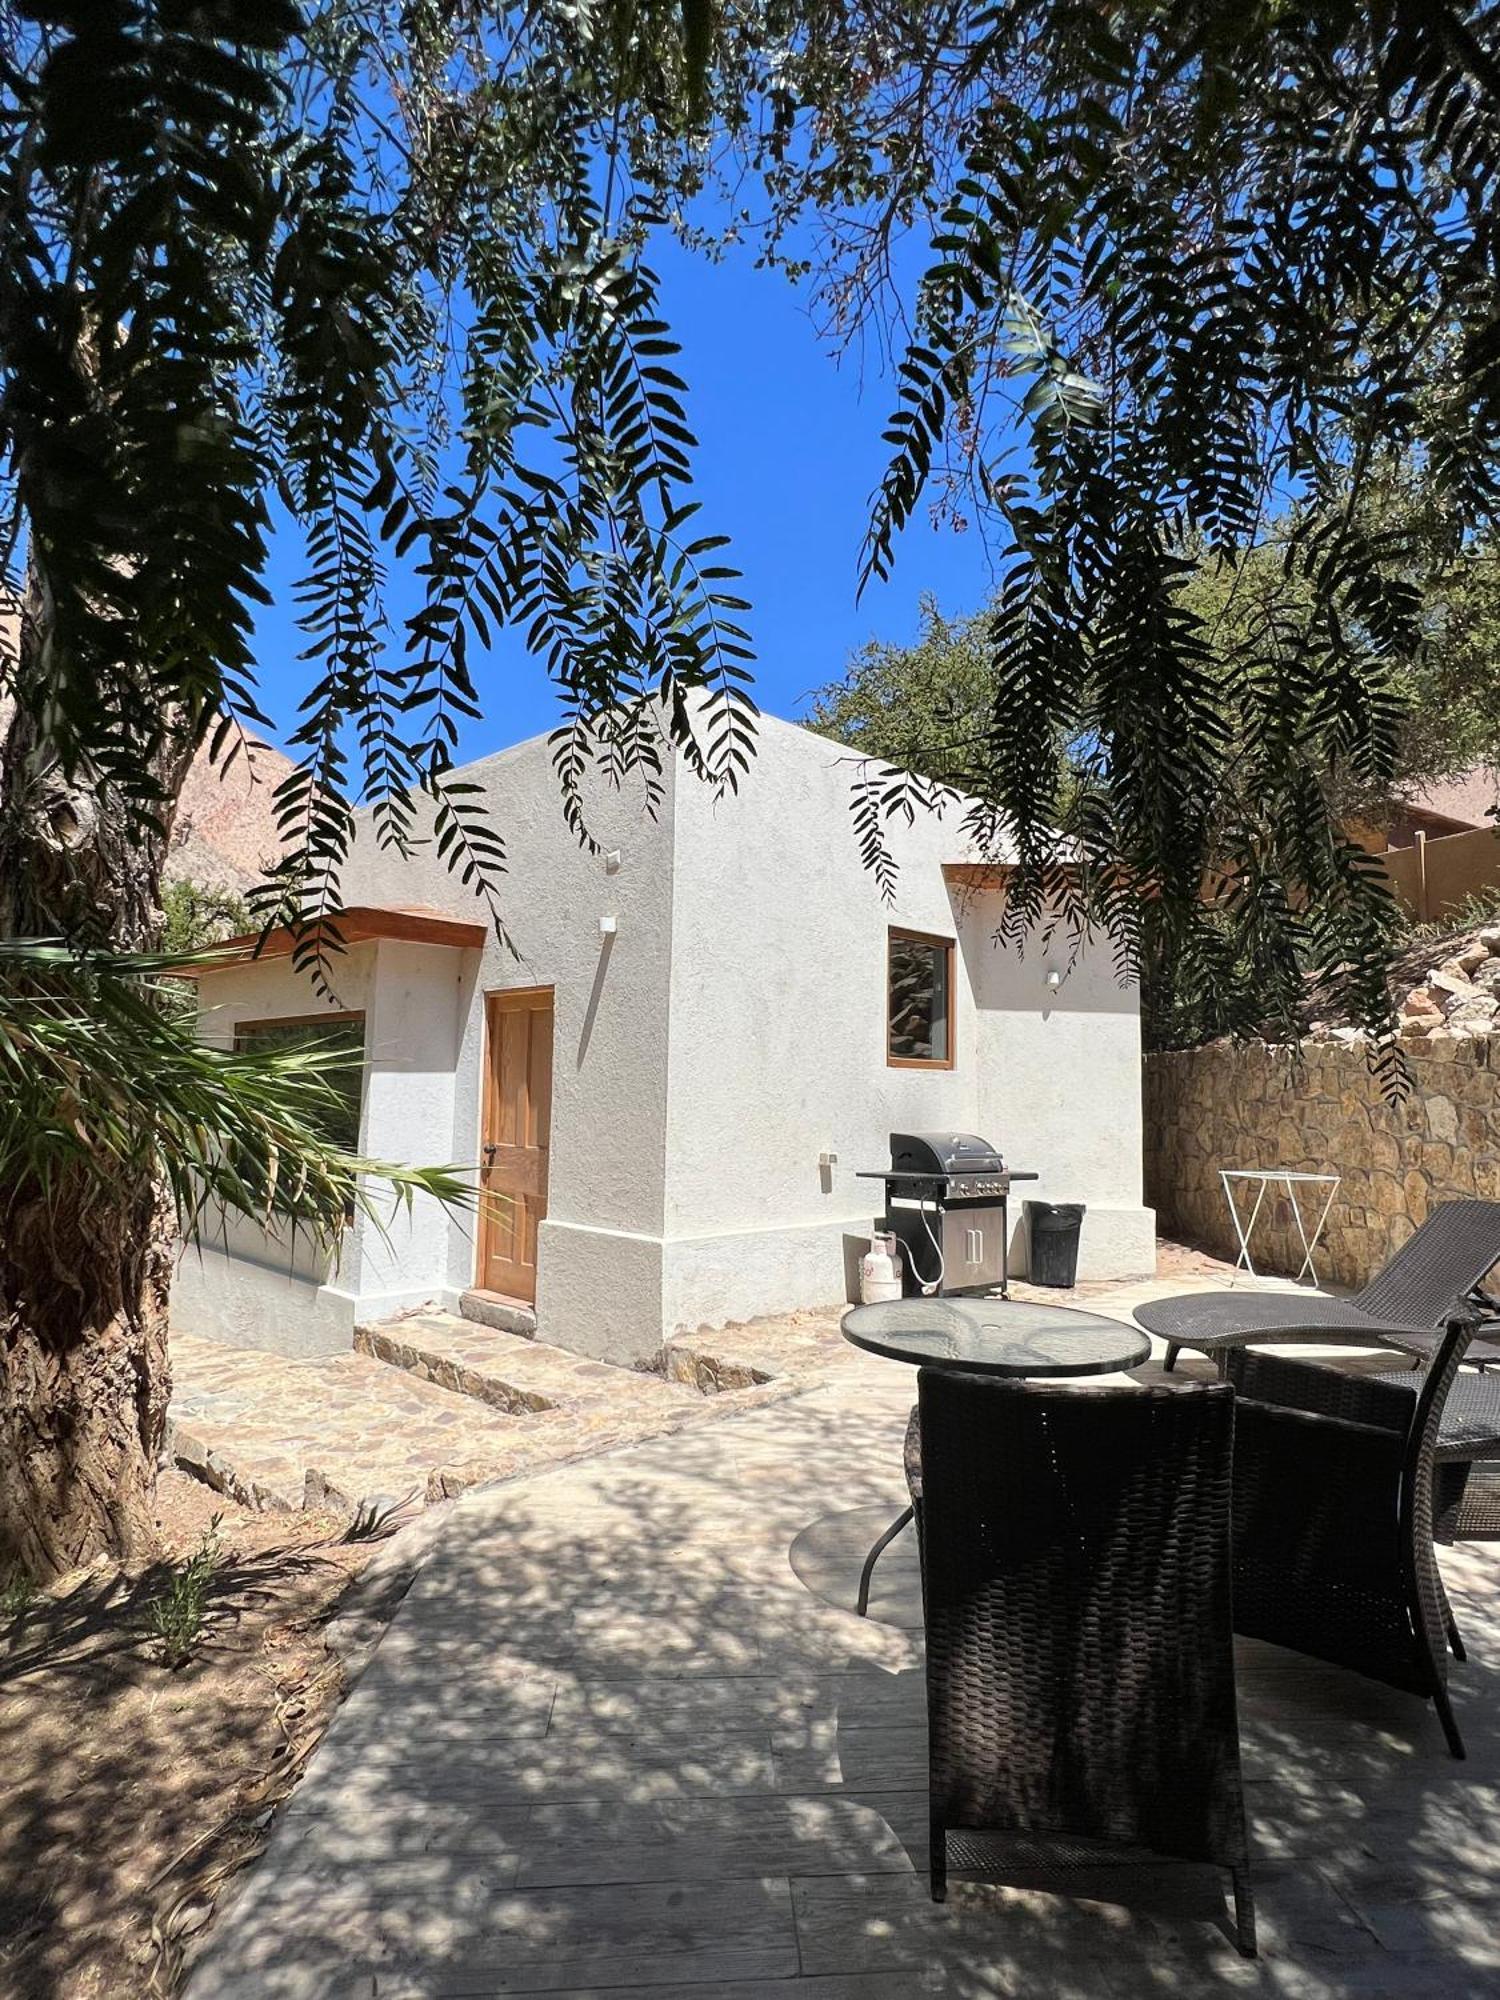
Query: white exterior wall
{"x": 1058, "y": 1084}
{"x": 778, "y": 1031}
{"x": 599, "y": 1253}
{"x": 778, "y": 1046}
{"x": 421, "y": 996}
{"x": 256, "y": 1288}
{"x": 730, "y": 1032}
{"x": 238, "y": 1282}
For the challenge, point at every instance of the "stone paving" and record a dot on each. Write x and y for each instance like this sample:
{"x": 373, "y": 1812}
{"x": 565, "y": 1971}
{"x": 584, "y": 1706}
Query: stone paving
{"x": 806, "y": 1347}
{"x": 625, "y": 1736}
{"x": 429, "y": 1406}
{"x": 509, "y": 1372}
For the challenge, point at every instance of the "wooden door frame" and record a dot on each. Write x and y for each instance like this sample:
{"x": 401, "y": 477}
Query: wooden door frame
{"x": 490, "y": 1082}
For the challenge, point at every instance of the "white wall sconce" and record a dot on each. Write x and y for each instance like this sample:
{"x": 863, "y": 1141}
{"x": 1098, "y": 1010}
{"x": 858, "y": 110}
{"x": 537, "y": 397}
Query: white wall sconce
{"x": 608, "y": 926}
{"x": 1054, "y": 979}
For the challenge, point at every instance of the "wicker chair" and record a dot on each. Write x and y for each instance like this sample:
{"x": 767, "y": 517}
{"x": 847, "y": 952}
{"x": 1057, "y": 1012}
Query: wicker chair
{"x": 1333, "y": 1516}
{"x": 1076, "y": 1595}
{"x": 1441, "y": 1266}
{"x": 1466, "y": 1501}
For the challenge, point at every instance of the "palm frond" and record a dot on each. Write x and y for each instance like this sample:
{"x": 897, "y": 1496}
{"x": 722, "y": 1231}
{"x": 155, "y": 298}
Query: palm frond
{"x": 103, "y": 1079}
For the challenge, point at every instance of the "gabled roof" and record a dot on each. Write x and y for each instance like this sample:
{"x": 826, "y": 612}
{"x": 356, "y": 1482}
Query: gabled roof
{"x": 362, "y": 924}
{"x": 1467, "y": 800}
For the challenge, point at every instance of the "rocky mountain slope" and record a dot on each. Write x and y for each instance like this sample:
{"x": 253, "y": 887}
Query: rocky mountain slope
{"x": 225, "y": 836}
{"x": 1445, "y": 987}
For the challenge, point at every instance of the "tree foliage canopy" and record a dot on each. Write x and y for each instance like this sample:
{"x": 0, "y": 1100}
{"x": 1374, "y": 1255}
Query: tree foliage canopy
{"x": 1194, "y": 267}
{"x": 381, "y": 268}
{"x": 924, "y": 707}
{"x": 1447, "y": 691}
{"x": 927, "y": 707}
{"x": 196, "y": 915}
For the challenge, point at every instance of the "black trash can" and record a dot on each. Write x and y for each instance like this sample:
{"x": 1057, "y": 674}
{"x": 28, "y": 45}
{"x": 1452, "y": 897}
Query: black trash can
{"x": 1052, "y": 1232}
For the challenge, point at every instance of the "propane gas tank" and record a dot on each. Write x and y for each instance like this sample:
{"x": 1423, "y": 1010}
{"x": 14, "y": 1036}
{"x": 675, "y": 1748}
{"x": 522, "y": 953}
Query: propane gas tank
{"x": 880, "y": 1271}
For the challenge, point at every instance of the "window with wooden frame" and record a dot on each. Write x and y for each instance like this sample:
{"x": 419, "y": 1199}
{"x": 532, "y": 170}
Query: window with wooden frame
{"x": 919, "y": 1001}
{"x": 343, "y": 1037}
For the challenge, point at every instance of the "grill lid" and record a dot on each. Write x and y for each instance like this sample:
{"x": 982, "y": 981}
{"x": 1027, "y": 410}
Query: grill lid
{"x": 944, "y": 1153}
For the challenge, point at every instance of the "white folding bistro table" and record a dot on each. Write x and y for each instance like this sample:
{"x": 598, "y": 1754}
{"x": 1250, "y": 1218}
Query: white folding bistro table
{"x": 1267, "y": 1177}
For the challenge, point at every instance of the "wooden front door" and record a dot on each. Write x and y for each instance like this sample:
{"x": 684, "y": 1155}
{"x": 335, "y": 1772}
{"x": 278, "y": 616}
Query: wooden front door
{"x": 517, "y": 1126}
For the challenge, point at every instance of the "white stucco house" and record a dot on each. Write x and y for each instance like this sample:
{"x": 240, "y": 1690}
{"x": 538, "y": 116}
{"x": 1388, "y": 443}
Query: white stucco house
{"x": 702, "y": 1034}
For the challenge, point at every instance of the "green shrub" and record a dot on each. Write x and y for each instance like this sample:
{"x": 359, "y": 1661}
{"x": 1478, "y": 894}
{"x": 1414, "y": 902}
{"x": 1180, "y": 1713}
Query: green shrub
{"x": 1482, "y": 907}
{"x": 16, "y": 1597}
{"x": 176, "y": 1617}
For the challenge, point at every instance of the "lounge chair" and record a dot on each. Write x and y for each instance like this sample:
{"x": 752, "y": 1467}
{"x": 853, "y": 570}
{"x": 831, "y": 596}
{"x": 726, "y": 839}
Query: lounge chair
{"x": 1466, "y": 1499}
{"x": 1334, "y": 1476}
{"x": 1076, "y": 1598}
{"x": 1441, "y": 1266}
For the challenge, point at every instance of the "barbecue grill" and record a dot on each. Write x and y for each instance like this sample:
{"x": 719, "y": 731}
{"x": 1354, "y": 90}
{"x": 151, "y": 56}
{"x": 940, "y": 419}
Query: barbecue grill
{"x": 947, "y": 1201}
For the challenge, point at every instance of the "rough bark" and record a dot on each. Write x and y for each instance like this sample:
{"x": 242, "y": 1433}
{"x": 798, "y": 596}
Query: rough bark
{"x": 84, "y": 1283}
{"x": 84, "y": 1379}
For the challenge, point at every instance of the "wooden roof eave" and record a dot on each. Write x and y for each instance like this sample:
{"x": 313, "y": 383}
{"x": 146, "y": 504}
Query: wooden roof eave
{"x": 360, "y": 924}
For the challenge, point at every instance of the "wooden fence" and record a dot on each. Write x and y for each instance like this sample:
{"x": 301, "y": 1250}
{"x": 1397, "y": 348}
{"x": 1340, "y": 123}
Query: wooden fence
{"x": 1433, "y": 876}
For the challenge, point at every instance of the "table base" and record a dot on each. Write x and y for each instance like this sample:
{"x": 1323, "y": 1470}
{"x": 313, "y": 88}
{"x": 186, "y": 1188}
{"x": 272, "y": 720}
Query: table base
{"x": 862, "y": 1603}
{"x": 1245, "y": 1230}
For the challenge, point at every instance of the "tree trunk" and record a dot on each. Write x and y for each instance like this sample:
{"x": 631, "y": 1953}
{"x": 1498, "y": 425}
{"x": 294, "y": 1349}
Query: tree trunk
{"x": 83, "y": 1284}
{"x": 83, "y": 1378}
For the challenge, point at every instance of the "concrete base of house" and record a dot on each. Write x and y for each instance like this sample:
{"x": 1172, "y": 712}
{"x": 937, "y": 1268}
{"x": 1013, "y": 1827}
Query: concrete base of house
{"x": 617, "y": 1296}
{"x": 249, "y": 1304}
{"x": 608, "y": 1294}
{"x": 1115, "y": 1243}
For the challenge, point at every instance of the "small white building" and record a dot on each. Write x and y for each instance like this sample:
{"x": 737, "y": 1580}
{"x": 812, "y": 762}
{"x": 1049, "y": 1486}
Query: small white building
{"x": 702, "y": 1034}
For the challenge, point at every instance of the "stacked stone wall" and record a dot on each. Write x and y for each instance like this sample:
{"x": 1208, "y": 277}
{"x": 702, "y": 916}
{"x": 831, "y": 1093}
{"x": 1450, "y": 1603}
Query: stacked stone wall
{"x": 1254, "y": 1106}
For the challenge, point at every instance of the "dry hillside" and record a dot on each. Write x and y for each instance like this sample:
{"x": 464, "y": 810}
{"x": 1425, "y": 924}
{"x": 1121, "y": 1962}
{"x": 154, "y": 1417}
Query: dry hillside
{"x": 1442, "y": 985}
{"x": 225, "y": 834}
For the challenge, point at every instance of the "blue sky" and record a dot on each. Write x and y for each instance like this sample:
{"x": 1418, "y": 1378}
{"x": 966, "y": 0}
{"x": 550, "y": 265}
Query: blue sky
{"x": 790, "y": 449}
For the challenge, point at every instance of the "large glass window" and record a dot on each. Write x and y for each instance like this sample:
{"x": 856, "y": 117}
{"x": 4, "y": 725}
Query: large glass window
{"x": 919, "y": 1001}
{"x": 343, "y": 1036}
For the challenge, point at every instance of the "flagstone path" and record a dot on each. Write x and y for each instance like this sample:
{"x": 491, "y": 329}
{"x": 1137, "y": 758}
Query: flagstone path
{"x": 625, "y": 1737}
{"x": 428, "y": 1406}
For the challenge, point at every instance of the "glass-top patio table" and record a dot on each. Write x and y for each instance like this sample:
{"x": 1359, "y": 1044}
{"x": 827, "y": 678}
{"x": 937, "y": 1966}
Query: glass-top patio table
{"x": 988, "y": 1337}
{"x": 996, "y": 1337}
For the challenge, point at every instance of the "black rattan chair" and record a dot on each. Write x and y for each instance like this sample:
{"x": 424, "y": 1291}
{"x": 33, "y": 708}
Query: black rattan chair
{"x": 1438, "y": 1268}
{"x": 1333, "y": 1516}
{"x": 1076, "y": 1595}
{"x": 1466, "y": 1503}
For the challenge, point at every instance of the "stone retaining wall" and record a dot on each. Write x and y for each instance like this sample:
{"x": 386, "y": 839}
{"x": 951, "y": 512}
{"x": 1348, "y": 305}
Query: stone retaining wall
{"x": 1253, "y": 1106}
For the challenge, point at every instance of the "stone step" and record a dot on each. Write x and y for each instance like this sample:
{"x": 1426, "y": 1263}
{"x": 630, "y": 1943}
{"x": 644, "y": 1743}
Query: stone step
{"x": 507, "y": 1371}
{"x": 490, "y": 1309}
{"x": 795, "y": 1347}
{"x": 337, "y": 1431}
{"x": 362, "y": 1429}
